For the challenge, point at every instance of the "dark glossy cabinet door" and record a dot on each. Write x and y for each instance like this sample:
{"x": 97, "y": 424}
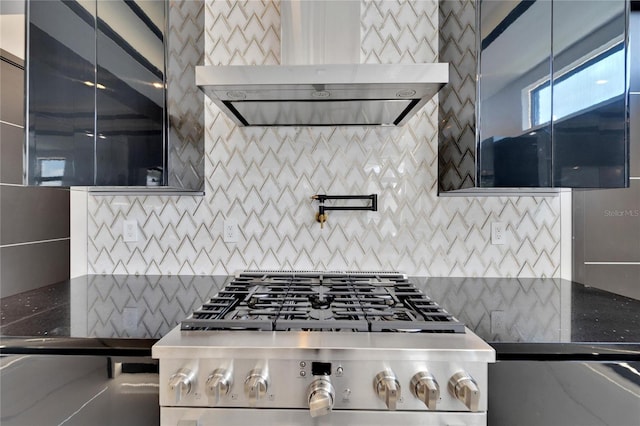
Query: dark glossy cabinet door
{"x": 11, "y": 118}
{"x": 130, "y": 97}
{"x": 60, "y": 93}
{"x": 560, "y": 393}
{"x": 95, "y": 93}
{"x": 552, "y": 103}
{"x": 589, "y": 129}
{"x": 514, "y": 133}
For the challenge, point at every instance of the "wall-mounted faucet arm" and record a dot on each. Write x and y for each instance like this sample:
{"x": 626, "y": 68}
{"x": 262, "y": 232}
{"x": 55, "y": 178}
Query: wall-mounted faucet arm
{"x": 321, "y": 216}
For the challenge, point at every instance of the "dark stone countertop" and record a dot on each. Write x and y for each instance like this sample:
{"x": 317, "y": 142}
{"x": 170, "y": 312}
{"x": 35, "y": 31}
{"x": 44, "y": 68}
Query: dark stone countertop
{"x": 537, "y": 318}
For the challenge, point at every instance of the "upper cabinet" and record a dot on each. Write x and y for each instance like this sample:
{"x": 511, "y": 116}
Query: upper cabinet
{"x": 552, "y": 94}
{"x": 552, "y": 97}
{"x": 97, "y": 107}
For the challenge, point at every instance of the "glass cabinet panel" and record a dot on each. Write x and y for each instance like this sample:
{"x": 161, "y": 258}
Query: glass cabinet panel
{"x": 589, "y": 94}
{"x": 130, "y": 95}
{"x": 96, "y": 97}
{"x": 514, "y": 103}
{"x": 552, "y": 94}
{"x": 60, "y": 93}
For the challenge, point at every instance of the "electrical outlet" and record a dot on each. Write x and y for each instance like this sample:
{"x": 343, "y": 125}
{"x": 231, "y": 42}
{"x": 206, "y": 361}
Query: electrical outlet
{"x": 130, "y": 231}
{"x": 498, "y": 322}
{"x": 498, "y": 233}
{"x": 230, "y": 231}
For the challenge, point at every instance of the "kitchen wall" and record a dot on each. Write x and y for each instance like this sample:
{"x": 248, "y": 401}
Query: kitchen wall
{"x": 263, "y": 179}
{"x": 34, "y": 222}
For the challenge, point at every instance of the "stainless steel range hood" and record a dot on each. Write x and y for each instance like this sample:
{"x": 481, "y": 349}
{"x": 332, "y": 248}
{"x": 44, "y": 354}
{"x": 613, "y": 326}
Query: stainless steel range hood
{"x": 321, "y": 95}
{"x": 318, "y": 85}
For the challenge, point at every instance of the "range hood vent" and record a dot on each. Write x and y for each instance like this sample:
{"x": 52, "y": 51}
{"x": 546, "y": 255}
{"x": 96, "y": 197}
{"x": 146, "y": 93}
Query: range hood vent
{"x": 318, "y": 85}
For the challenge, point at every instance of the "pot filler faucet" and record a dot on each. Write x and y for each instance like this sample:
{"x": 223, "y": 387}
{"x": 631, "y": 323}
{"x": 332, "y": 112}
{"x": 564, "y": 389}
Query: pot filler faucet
{"x": 322, "y": 216}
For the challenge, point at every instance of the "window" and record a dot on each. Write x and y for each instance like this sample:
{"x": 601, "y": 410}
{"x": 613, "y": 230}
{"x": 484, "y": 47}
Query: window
{"x": 580, "y": 88}
{"x": 52, "y": 171}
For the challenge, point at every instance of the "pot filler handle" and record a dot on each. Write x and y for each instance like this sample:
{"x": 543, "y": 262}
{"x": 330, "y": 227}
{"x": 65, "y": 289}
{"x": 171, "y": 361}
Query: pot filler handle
{"x": 322, "y": 216}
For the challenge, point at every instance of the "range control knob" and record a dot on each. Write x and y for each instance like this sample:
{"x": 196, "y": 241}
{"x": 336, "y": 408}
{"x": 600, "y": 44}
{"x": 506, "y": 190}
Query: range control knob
{"x": 425, "y": 387}
{"x": 387, "y": 388}
{"x": 465, "y": 389}
{"x": 218, "y": 384}
{"x": 321, "y": 396}
{"x": 181, "y": 383}
{"x": 255, "y": 386}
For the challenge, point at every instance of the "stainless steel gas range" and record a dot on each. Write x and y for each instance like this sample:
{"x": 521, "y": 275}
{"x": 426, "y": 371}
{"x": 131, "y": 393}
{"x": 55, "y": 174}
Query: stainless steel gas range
{"x": 318, "y": 348}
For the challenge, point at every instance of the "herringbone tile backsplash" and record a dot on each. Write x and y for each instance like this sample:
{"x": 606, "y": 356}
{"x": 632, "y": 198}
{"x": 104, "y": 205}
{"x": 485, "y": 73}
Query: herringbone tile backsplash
{"x": 264, "y": 177}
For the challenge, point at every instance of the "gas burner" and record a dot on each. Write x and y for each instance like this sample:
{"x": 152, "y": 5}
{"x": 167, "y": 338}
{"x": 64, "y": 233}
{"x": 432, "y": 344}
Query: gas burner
{"x": 321, "y": 301}
{"x": 320, "y": 314}
{"x": 314, "y": 301}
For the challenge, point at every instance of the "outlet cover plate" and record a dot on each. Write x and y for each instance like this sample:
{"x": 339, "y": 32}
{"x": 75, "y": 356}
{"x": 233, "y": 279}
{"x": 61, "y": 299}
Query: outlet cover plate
{"x": 130, "y": 231}
{"x": 498, "y": 233}
{"x": 230, "y": 231}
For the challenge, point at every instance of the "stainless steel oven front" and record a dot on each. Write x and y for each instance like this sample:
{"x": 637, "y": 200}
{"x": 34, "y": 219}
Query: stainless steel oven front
{"x": 212, "y": 374}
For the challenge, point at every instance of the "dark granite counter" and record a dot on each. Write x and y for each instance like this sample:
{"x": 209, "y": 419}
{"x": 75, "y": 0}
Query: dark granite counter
{"x": 125, "y": 315}
{"x": 101, "y": 314}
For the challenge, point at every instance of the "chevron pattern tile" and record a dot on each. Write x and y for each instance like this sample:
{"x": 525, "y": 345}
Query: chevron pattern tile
{"x": 264, "y": 177}
{"x": 185, "y": 103}
{"x": 242, "y": 32}
{"x": 394, "y": 32}
{"x": 457, "y": 45}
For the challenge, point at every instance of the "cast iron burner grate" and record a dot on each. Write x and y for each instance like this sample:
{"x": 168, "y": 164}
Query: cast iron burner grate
{"x": 322, "y": 301}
